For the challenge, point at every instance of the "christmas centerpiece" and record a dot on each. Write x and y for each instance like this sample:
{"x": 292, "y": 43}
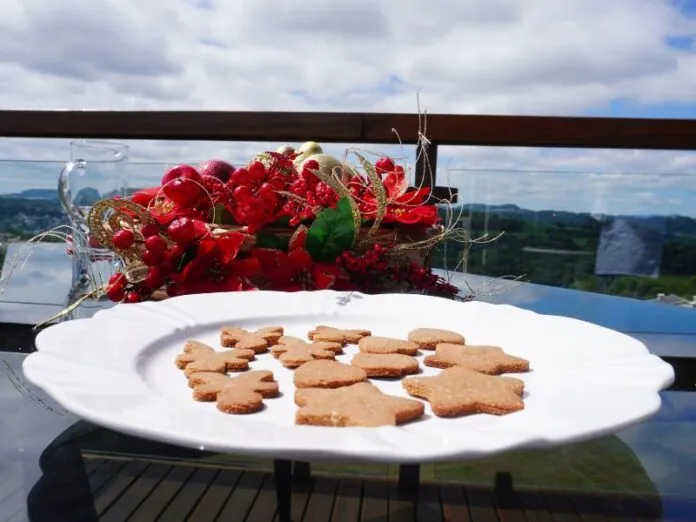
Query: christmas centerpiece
{"x": 288, "y": 220}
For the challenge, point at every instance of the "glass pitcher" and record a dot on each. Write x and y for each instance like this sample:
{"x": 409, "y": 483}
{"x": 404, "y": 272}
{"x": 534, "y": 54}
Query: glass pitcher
{"x": 96, "y": 170}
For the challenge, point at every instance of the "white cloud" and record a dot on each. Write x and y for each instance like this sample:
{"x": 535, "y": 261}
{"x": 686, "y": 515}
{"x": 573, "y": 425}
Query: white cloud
{"x": 485, "y": 56}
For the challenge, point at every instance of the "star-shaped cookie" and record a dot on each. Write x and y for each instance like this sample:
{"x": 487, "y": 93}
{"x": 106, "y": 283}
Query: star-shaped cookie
{"x": 361, "y": 404}
{"x": 490, "y": 360}
{"x": 459, "y": 391}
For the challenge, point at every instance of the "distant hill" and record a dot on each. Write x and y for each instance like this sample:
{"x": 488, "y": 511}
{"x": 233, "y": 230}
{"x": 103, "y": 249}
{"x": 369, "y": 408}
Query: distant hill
{"x": 672, "y": 224}
{"x": 49, "y": 194}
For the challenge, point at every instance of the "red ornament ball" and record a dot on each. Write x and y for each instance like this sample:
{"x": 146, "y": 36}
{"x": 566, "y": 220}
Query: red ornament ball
{"x": 123, "y": 239}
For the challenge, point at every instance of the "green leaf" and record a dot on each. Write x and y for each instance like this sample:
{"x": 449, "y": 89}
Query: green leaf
{"x": 268, "y": 240}
{"x": 332, "y": 232}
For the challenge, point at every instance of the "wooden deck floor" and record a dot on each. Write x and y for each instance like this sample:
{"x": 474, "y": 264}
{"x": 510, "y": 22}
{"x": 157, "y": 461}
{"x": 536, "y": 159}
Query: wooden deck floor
{"x": 119, "y": 490}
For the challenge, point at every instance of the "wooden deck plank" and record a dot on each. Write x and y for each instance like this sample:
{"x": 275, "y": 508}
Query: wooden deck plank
{"x": 481, "y": 505}
{"x": 163, "y": 494}
{"x": 375, "y": 504}
{"x": 428, "y": 507}
{"x": 113, "y": 491}
{"x": 215, "y": 496}
{"x": 301, "y": 491}
{"x": 533, "y": 506}
{"x": 240, "y": 502}
{"x": 92, "y": 464}
{"x": 642, "y": 510}
{"x": 454, "y": 504}
{"x": 560, "y": 507}
{"x": 402, "y": 504}
{"x": 105, "y": 474}
{"x": 321, "y": 502}
{"x": 186, "y": 499}
{"x": 594, "y": 508}
{"x": 143, "y": 491}
{"x": 348, "y": 501}
{"x": 136, "y": 493}
{"x": 265, "y": 506}
{"x": 508, "y": 507}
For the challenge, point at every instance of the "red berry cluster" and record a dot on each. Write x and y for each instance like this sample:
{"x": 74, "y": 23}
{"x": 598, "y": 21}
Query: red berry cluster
{"x": 311, "y": 192}
{"x": 163, "y": 257}
{"x": 255, "y": 199}
{"x": 375, "y": 271}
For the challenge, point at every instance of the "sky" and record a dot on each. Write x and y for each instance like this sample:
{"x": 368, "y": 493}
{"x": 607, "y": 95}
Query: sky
{"x": 625, "y": 58}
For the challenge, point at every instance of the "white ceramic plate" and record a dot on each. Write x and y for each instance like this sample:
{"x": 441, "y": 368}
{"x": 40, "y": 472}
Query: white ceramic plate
{"x": 117, "y": 370}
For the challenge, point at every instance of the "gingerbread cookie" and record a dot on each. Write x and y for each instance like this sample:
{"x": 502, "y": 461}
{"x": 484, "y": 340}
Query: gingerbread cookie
{"x": 245, "y": 394}
{"x": 491, "y": 360}
{"x": 428, "y": 338}
{"x": 336, "y": 348}
{"x": 322, "y": 373}
{"x": 459, "y": 391}
{"x": 258, "y": 341}
{"x": 213, "y": 361}
{"x": 207, "y": 385}
{"x": 386, "y": 364}
{"x": 376, "y": 344}
{"x": 337, "y": 335}
{"x": 295, "y": 355}
{"x": 197, "y": 347}
{"x": 361, "y": 404}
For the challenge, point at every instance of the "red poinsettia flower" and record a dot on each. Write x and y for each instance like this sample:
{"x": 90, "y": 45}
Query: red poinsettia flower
{"x": 215, "y": 267}
{"x": 146, "y": 196}
{"x": 407, "y": 208}
{"x": 295, "y": 270}
{"x": 162, "y": 209}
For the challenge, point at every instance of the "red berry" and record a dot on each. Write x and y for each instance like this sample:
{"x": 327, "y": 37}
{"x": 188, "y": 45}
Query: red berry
{"x": 156, "y": 244}
{"x": 150, "y": 229}
{"x": 257, "y": 171}
{"x": 216, "y": 168}
{"x": 243, "y": 193}
{"x": 180, "y": 172}
{"x": 177, "y": 252}
{"x": 132, "y": 297}
{"x": 154, "y": 278}
{"x": 278, "y": 183}
{"x": 182, "y": 231}
{"x": 117, "y": 279}
{"x": 384, "y": 165}
{"x": 166, "y": 266}
{"x": 299, "y": 187}
{"x": 270, "y": 200}
{"x": 240, "y": 177}
{"x": 266, "y": 187}
{"x": 311, "y": 165}
{"x": 151, "y": 258}
{"x": 123, "y": 239}
{"x": 183, "y": 192}
{"x": 115, "y": 293}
